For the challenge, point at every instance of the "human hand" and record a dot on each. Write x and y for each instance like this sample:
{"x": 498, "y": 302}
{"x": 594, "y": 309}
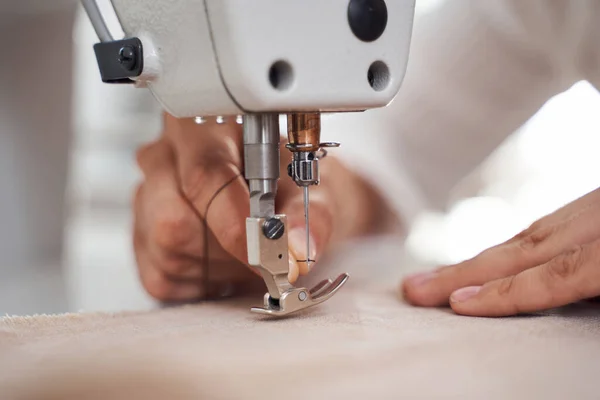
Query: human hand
{"x": 181, "y": 226}
{"x": 555, "y": 262}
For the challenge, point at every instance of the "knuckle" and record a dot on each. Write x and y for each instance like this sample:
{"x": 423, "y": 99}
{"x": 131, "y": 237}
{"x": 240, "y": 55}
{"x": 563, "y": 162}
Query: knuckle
{"x": 567, "y": 264}
{"x": 534, "y": 227}
{"x": 174, "y": 265}
{"x": 172, "y": 231}
{"x": 205, "y": 179}
{"x": 537, "y": 225}
{"x": 533, "y": 240}
{"x": 506, "y": 285}
{"x": 523, "y": 234}
{"x": 143, "y": 153}
{"x": 194, "y": 182}
{"x": 157, "y": 285}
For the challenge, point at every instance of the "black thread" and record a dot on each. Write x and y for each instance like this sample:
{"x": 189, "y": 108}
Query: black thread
{"x": 206, "y": 263}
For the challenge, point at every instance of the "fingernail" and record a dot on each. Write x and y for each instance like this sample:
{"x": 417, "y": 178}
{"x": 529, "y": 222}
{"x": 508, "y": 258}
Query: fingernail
{"x": 297, "y": 243}
{"x": 294, "y": 269}
{"x": 464, "y": 294}
{"x": 420, "y": 278}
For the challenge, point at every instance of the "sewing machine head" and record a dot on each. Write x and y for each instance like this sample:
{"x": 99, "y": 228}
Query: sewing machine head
{"x": 260, "y": 59}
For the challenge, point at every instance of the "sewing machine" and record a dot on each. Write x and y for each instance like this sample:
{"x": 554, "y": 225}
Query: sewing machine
{"x": 255, "y": 60}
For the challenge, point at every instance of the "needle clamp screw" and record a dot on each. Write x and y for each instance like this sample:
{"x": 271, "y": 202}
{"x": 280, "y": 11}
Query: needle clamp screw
{"x": 273, "y": 228}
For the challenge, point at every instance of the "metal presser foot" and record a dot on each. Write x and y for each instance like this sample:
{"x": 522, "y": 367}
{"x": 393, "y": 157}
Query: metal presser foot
{"x": 268, "y": 251}
{"x": 298, "y": 299}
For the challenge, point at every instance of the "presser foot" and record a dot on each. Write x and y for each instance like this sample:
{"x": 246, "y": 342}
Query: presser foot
{"x": 297, "y": 299}
{"x": 268, "y": 253}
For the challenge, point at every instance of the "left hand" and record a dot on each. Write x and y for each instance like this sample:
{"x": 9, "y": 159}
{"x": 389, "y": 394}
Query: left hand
{"x": 555, "y": 262}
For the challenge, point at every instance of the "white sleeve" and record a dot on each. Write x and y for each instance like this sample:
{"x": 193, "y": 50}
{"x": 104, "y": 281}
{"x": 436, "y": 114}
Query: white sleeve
{"x": 477, "y": 71}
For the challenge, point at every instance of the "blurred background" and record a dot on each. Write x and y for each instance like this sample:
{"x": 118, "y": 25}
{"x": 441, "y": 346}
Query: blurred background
{"x": 520, "y": 182}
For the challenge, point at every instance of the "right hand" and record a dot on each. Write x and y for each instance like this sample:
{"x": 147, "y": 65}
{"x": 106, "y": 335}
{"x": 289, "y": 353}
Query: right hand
{"x": 182, "y": 171}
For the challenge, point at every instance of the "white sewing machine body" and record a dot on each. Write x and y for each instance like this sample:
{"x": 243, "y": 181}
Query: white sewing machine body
{"x": 228, "y": 57}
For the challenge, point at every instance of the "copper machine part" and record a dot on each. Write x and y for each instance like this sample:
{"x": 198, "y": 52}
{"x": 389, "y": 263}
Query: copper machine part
{"x": 304, "y": 132}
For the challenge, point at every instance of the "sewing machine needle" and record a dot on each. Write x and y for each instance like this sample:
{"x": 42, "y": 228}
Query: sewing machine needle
{"x": 306, "y": 226}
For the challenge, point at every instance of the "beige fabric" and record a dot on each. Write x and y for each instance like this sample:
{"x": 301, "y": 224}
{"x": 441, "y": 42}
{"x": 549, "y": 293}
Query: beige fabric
{"x": 365, "y": 343}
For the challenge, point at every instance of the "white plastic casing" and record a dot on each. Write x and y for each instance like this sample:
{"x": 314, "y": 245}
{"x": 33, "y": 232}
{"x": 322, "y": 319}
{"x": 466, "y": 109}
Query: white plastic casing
{"x": 215, "y": 55}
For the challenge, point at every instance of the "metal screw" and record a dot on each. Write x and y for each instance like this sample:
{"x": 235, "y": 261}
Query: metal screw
{"x": 127, "y": 57}
{"x": 302, "y": 296}
{"x": 273, "y": 228}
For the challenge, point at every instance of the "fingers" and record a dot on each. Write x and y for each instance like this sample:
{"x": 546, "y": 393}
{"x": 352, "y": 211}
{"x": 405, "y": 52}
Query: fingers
{"x": 518, "y": 254}
{"x": 157, "y": 282}
{"x": 168, "y": 274}
{"x": 170, "y": 240}
{"x": 227, "y": 208}
{"x": 209, "y": 165}
{"x": 170, "y": 225}
{"x": 572, "y": 276}
{"x": 158, "y": 277}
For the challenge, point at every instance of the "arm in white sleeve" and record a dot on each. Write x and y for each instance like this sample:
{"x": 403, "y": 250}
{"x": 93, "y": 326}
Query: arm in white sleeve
{"x": 477, "y": 71}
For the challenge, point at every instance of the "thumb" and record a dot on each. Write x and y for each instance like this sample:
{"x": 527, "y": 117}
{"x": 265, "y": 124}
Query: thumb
{"x": 319, "y": 232}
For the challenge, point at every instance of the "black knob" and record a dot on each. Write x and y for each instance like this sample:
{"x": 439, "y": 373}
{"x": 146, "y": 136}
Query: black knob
{"x": 127, "y": 57}
{"x": 273, "y": 228}
{"x": 367, "y": 18}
